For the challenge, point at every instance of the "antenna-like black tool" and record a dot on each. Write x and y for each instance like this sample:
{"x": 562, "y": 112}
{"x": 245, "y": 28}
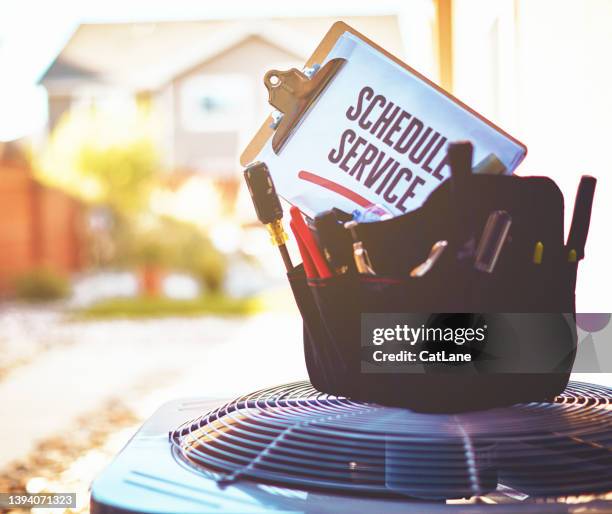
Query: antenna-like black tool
{"x": 581, "y": 218}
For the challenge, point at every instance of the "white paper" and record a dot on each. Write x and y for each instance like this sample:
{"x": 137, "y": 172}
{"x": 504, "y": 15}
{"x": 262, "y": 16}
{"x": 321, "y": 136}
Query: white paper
{"x": 314, "y": 173}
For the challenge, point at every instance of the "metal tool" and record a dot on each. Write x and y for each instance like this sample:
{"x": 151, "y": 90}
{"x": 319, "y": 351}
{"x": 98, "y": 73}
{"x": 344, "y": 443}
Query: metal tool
{"x": 360, "y": 254}
{"x": 434, "y": 254}
{"x": 492, "y": 241}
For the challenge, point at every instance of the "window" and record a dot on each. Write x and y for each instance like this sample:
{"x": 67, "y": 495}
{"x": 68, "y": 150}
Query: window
{"x": 215, "y": 102}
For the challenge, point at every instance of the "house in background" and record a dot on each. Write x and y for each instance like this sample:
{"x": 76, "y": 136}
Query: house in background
{"x": 204, "y": 78}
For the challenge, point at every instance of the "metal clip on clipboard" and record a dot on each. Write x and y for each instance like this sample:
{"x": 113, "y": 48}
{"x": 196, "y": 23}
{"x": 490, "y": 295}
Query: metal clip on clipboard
{"x": 293, "y": 93}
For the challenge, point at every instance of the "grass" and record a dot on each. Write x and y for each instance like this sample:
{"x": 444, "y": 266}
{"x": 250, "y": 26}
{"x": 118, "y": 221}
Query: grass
{"x": 141, "y": 307}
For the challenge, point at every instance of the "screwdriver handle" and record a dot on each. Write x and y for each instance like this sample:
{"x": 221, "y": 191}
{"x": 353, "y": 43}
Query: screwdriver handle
{"x": 263, "y": 193}
{"x": 267, "y": 206}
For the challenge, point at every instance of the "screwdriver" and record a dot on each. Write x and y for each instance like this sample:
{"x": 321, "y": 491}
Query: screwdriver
{"x": 267, "y": 206}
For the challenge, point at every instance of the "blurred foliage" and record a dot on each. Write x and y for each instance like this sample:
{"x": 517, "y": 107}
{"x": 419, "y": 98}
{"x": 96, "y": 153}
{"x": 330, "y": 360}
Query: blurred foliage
{"x": 109, "y": 159}
{"x": 215, "y": 304}
{"x": 172, "y": 244}
{"x": 124, "y": 173}
{"x": 104, "y": 156}
{"x": 210, "y": 270}
{"x": 41, "y": 285}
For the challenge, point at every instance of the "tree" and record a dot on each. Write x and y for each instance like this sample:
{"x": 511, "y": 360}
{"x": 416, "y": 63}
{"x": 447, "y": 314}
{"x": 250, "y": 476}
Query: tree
{"x": 104, "y": 157}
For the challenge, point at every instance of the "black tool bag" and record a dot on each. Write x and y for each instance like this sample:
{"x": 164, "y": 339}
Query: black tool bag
{"x": 528, "y": 308}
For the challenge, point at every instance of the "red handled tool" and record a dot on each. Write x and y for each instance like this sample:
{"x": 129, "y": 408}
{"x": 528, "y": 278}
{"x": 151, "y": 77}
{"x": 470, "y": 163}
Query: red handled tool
{"x": 309, "y": 267}
{"x": 302, "y": 232}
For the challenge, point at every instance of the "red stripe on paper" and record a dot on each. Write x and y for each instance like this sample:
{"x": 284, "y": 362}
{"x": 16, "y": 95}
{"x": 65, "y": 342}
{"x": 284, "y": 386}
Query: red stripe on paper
{"x": 335, "y": 187}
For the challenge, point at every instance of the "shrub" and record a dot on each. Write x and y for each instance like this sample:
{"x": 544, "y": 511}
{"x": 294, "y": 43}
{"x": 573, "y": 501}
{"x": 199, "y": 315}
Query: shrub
{"x": 209, "y": 268}
{"x": 178, "y": 246}
{"x": 41, "y": 285}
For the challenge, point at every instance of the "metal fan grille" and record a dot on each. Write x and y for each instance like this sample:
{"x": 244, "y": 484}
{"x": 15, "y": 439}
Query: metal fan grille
{"x": 293, "y": 435}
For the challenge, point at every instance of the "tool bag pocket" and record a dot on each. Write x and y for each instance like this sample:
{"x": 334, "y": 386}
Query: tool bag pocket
{"x": 527, "y": 357}
{"x": 320, "y": 352}
{"x": 341, "y": 301}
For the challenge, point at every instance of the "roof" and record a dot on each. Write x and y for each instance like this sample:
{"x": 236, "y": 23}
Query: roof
{"x": 145, "y": 56}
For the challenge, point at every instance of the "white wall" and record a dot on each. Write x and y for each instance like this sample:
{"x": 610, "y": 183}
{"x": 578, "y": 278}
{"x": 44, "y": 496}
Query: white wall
{"x": 542, "y": 69}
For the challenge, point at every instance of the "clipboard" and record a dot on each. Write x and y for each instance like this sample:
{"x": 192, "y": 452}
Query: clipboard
{"x": 295, "y": 95}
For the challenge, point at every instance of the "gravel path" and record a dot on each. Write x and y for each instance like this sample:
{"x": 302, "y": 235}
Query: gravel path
{"x": 71, "y": 390}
